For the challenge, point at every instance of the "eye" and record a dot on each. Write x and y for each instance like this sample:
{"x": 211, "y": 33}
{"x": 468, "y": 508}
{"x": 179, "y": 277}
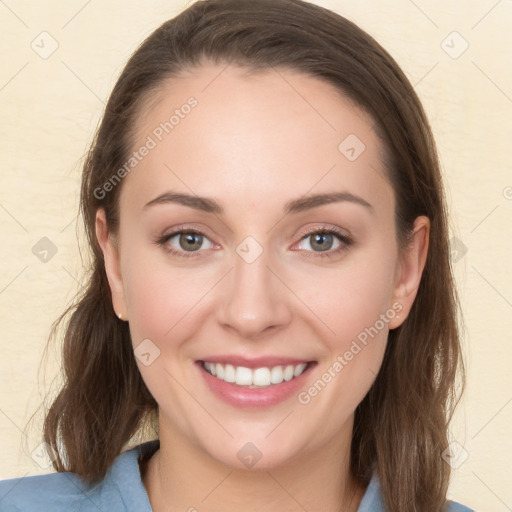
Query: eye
{"x": 185, "y": 241}
{"x": 328, "y": 241}
{"x": 324, "y": 242}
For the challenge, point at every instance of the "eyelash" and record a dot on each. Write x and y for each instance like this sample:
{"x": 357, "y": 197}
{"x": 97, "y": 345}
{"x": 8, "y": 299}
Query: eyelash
{"x": 345, "y": 242}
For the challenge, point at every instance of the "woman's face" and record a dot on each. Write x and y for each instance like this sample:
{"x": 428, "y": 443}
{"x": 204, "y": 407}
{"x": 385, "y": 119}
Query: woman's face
{"x": 292, "y": 260}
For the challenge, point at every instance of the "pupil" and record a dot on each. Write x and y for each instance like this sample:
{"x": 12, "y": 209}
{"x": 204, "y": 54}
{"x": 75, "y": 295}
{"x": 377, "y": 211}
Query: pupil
{"x": 189, "y": 238}
{"x": 320, "y": 240}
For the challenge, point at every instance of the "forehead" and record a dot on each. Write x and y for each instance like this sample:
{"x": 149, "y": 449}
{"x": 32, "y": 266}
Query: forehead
{"x": 270, "y": 134}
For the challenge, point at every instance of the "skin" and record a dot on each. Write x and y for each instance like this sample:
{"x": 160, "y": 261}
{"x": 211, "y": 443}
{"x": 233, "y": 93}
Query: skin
{"x": 252, "y": 144}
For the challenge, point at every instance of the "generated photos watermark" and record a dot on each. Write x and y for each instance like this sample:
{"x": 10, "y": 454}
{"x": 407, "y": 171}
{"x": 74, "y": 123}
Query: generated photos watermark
{"x": 357, "y": 345}
{"x": 157, "y": 135}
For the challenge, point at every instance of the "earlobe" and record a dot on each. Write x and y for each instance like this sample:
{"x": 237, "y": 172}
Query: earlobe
{"x": 411, "y": 266}
{"x": 110, "y": 249}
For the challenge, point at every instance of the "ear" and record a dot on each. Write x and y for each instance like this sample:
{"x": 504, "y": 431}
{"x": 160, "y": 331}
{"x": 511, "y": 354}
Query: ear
{"x": 410, "y": 269}
{"x": 110, "y": 248}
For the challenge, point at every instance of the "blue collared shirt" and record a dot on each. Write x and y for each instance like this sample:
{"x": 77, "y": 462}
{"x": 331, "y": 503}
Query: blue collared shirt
{"x": 121, "y": 490}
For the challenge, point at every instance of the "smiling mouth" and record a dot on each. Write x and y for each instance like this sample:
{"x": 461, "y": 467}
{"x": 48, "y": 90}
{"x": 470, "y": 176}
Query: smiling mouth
{"x": 255, "y": 378}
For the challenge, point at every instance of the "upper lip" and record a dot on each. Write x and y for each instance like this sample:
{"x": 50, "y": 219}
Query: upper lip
{"x": 256, "y": 362}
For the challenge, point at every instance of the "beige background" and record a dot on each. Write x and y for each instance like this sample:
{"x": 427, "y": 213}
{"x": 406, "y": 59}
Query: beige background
{"x": 50, "y": 107}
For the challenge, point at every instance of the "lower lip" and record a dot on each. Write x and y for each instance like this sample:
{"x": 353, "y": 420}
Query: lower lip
{"x": 240, "y": 396}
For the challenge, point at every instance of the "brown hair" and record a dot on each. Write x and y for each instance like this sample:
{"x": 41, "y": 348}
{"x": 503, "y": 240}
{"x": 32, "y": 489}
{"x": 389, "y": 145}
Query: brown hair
{"x": 400, "y": 427}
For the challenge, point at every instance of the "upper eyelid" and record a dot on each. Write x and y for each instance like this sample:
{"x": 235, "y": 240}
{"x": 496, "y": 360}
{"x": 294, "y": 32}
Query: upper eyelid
{"x": 315, "y": 229}
{"x": 325, "y": 228}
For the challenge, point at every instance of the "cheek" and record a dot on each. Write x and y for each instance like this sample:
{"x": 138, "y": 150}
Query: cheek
{"x": 356, "y": 307}
{"x": 354, "y": 314}
{"x": 160, "y": 297}
{"x": 350, "y": 300}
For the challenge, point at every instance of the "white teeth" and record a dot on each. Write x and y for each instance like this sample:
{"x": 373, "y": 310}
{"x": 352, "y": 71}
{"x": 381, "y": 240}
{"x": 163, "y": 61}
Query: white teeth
{"x": 243, "y": 376}
{"x": 299, "y": 369}
{"x": 260, "y": 377}
{"x": 288, "y": 372}
{"x": 229, "y": 373}
{"x": 276, "y": 375}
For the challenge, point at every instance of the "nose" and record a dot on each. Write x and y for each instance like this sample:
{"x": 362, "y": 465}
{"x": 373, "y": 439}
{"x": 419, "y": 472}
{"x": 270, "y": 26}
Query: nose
{"x": 254, "y": 300}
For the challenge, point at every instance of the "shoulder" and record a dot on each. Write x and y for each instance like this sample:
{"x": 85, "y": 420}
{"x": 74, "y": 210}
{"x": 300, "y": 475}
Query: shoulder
{"x": 372, "y": 500}
{"x": 457, "y": 507}
{"x": 59, "y": 492}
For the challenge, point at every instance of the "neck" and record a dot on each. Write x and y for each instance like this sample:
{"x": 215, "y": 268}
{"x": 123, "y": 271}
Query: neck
{"x": 181, "y": 477}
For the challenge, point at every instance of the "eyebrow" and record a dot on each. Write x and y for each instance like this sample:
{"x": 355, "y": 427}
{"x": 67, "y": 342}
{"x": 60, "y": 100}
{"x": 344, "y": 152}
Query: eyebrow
{"x": 208, "y": 205}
